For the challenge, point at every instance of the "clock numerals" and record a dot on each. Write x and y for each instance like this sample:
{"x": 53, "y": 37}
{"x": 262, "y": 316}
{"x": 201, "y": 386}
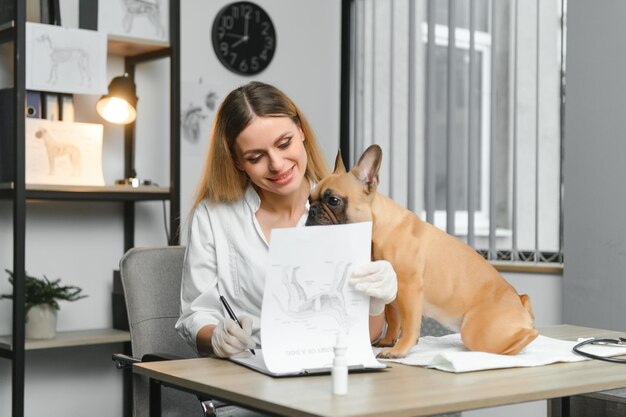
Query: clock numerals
{"x": 266, "y": 26}
{"x": 233, "y": 58}
{"x": 244, "y": 38}
{"x": 241, "y": 10}
{"x": 224, "y": 48}
{"x": 228, "y": 22}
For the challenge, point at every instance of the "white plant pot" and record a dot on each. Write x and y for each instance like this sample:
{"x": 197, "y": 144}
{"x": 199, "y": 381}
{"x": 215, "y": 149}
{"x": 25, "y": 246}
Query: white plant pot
{"x": 41, "y": 322}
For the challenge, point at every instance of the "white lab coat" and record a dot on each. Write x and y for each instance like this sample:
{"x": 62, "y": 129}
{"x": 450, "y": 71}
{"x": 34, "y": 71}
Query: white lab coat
{"x": 227, "y": 255}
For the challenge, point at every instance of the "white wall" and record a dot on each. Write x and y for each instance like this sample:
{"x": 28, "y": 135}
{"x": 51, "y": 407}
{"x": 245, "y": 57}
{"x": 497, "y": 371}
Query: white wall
{"x": 594, "y": 169}
{"x": 83, "y": 242}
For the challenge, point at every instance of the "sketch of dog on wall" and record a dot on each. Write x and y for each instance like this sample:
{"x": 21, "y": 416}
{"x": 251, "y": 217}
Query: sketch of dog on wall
{"x": 138, "y": 8}
{"x": 330, "y": 302}
{"x": 56, "y": 149}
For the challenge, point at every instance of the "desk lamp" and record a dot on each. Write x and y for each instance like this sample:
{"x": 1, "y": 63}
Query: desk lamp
{"x": 119, "y": 107}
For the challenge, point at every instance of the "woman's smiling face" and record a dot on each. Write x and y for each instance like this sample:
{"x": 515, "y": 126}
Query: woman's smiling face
{"x": 271, "y": 152}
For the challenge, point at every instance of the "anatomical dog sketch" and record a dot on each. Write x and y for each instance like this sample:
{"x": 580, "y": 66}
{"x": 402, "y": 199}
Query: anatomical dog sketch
{"x": 142, "y": 8}
{"x": 63, "y": 153}
{"x": 66, "y": 56}
{"x": 56, "y": 149}
{"x": 66, "y": 60}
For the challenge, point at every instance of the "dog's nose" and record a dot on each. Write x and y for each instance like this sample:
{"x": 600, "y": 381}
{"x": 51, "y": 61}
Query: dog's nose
{"x": 314, "y": 208}
{"x": 313, "y": 213}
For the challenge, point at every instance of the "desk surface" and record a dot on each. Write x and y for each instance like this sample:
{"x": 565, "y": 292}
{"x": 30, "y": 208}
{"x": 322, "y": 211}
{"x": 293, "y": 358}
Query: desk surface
{"x": 399, "y": 391}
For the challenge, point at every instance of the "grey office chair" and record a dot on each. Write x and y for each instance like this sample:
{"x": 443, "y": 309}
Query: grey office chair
{"x": 151, "y": 278}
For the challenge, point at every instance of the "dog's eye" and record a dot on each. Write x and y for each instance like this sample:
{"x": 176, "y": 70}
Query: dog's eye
{"x": 334, "y": 201}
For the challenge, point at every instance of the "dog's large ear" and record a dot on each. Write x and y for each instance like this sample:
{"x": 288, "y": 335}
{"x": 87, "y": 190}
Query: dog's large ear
{"x": 366, "y": 170}
{"x": 340, "y": 168}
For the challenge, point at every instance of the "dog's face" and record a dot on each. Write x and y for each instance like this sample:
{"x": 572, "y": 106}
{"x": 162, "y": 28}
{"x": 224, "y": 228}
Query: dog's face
{"x": 345, "y": 197}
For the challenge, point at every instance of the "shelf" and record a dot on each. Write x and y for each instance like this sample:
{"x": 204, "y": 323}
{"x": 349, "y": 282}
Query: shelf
{"x": 72, "y": 338}
{"x": 89, "y": 193}
{"x": 125, "y": 46}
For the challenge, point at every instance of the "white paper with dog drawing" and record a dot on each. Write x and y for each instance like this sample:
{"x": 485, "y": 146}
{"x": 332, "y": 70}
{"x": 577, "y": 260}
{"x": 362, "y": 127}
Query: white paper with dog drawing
{"x": 307, "y": 300}
{"x": 65, "y": 60}
{"x": 63, "y": 153}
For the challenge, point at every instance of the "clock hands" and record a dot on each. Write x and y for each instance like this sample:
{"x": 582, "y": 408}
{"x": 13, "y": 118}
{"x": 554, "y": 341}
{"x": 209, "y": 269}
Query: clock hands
{"x": 244, "y": 37}
{"x": 245, "y": 26}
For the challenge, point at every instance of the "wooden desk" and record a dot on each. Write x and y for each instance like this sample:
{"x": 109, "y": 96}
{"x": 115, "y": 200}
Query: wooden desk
{"x": 399, "y": 391}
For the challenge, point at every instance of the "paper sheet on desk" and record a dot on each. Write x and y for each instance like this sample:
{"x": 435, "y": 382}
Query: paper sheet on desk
{"x": 307, "y": 297}
{"x": 447, "y": 353}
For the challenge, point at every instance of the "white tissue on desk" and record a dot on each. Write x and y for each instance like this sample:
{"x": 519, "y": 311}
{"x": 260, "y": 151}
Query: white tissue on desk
{"x": 447, "y": 353}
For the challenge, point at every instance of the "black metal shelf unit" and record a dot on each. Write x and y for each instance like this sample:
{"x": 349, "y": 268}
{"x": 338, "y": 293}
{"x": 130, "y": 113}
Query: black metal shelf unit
{"x": 20, "y": 193}
{"x": 88, "y": 193}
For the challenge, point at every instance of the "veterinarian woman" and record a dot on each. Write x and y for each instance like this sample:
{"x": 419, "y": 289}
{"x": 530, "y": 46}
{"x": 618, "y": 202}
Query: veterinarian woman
{"x": 262, "y": 162}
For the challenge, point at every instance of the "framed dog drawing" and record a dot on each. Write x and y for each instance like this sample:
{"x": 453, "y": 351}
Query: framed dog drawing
{"x": 63, "y": 153}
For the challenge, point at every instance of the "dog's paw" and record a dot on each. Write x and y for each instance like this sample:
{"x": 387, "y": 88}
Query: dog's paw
{"x": 391, "y": 354}
{"x": 385, "y": 342}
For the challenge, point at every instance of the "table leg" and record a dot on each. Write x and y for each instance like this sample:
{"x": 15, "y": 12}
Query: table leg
{"x": 155, "y": 398}
{"x": 127, "y": 385}
{"x": 559, "y": 407}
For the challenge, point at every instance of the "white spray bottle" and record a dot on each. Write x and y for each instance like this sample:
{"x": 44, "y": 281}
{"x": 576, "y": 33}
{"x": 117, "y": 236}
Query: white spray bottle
{"x": 339, "y": 372}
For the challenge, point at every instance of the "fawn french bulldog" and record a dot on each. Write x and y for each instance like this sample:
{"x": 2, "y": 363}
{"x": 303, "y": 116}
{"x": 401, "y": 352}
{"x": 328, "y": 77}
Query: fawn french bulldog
{"x": 439, "y": 276}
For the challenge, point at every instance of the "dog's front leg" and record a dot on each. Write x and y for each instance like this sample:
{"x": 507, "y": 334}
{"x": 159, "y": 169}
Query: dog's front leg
{"x": 392, "y": 317}
{"x": 410, "y": 301}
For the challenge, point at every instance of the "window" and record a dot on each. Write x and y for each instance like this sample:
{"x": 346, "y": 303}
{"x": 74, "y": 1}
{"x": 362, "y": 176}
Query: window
{"x": 475, "y": 136}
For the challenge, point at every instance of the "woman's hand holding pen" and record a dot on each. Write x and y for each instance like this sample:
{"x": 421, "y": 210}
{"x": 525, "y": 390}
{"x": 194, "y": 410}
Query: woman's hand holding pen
{"x": 229, "y": 339}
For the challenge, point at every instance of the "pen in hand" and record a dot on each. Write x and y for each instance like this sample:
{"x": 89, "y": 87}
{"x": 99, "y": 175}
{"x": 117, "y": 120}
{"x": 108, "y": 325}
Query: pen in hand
{"x": 231, "y": 313}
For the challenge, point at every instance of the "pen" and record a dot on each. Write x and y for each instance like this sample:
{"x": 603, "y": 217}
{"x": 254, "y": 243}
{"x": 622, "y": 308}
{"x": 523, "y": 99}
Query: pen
{"x": 231, "y": 313}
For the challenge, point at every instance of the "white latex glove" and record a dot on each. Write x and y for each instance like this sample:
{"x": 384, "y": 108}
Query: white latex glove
{"x": 229, "y": 339}
{"x": 378, "y": 280}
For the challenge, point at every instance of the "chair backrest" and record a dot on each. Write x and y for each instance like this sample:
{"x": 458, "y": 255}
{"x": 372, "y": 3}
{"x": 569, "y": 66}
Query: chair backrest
{"x": 151, "y": 279}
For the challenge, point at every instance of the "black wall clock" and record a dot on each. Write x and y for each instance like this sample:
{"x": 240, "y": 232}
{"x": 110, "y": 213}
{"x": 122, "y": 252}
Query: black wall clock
{"x": 244, "y": 38}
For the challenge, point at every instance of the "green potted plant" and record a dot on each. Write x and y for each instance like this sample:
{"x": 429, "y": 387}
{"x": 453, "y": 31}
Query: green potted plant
{"x": 41, "y": 303}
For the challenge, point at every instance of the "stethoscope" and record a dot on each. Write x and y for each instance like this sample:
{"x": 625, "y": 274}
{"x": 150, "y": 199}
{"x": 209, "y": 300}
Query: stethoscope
{"x": 621, "y": 342}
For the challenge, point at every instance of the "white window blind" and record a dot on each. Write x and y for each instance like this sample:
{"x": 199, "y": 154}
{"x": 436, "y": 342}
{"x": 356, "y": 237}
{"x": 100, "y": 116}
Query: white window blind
{"x": 465, "y": 98}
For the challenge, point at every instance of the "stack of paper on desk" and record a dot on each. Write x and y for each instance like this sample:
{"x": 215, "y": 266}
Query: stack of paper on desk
{"x": 448, "y": 353}
{"x": 307, "y": 300}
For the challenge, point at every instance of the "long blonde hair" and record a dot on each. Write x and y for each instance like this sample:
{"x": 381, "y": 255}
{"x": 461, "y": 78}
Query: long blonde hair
{"x": 221, "y": 181}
